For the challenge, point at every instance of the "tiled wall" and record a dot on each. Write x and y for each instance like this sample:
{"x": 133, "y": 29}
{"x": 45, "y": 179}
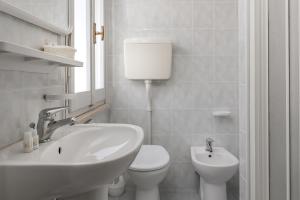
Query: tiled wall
{"x": 205, "y": 78}
{"x": 21, "y": 91}
{"x": 243, "y": 100}
{"x": 53, "y": 11}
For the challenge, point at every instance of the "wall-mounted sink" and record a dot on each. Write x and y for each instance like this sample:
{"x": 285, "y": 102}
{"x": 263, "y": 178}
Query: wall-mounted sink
{"x": 79, "y": 159}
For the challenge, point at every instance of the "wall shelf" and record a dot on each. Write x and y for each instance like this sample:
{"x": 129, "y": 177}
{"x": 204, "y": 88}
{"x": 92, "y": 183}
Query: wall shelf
{"x": 33, "y": 55}
{"x": 222, "y": 113}
{"x": 24, "y": 16}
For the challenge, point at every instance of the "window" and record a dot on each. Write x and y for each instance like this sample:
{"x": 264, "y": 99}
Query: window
{"x": 87, "y": 82}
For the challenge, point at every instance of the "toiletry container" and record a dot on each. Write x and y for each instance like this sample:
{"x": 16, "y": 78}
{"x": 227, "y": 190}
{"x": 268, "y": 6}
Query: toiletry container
{"x": 28, "y": 142}
{"x": 35, "y": 138}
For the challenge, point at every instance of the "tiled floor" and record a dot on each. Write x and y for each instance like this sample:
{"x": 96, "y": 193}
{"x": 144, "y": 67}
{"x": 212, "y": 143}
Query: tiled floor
{"x": 169, "y": 195}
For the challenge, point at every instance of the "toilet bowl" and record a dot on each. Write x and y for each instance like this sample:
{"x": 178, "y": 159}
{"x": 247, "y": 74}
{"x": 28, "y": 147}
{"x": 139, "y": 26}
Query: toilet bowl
{"x": 215, "y": 169}
{"x": 149, "y": 168}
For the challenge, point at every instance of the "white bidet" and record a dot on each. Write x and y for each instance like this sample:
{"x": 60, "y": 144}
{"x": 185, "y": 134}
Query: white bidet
{"x": 215, "y": 169}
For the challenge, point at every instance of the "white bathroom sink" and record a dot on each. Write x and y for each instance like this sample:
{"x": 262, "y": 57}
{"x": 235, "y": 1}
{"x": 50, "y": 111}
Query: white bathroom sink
{"x": 79, "y": 158}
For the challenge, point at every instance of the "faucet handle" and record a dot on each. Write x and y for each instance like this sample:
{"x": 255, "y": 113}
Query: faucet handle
{"x": 52, "y": 111}
{"x": 49, "y": 112}
{"x": 32, "y": 125}
{"x": 209, "y": 140}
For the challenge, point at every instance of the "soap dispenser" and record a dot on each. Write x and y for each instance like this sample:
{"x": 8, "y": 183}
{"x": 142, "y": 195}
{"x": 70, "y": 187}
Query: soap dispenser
{"x": 28, "y": 142}
{"x": 35, "y": 136}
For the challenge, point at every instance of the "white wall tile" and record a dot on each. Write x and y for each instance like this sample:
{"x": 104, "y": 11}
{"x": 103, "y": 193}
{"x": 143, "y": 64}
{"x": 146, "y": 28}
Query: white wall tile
{"x": 192, "y": 95}
{"x": 181, "y": 15}
{"x": 161, "y": 121}
{"x": 226, "y": 15}
{"x": 225, "y": 95}
{"x": 192, "y": 69}
{"x": 120, "y": 98}
{"x": 226, "y": 69}
{"x": 10, "y": 80}
{"x": 192, "y": 121}
{"x": 119, "y": 16}
{"x": 162, "y": 95}
{"x": 179, "y": 147}
{"x": 136, "y": 95}
{"x": 40, "y": 9}
{"x": 119, "y": 116}
{"x": 139, "y": 118}
{"x": 11, "y": 121}
{"x": 118, "y": 73}
{"x": 226, "y": 43}
{"x": 203, "y": 14}
{"x": 203, "y": 42}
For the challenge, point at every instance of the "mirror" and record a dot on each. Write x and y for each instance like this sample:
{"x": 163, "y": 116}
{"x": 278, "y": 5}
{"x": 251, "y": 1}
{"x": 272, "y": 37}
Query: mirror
{"x": 36, "y": 8}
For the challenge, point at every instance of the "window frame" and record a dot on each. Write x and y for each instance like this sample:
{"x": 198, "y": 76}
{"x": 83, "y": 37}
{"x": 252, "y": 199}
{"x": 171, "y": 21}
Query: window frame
{"x": 87, "y": 98}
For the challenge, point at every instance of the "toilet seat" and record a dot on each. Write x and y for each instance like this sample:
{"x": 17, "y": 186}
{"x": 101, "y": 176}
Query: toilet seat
{"x": 150, "y": 158}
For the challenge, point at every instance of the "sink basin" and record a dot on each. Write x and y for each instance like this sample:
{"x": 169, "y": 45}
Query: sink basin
{"x": 79, "y": 159}
{"x": 215, "y": 169}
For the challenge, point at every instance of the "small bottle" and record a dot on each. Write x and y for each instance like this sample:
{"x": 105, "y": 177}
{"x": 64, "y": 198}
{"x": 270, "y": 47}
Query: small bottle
{"x": 28, "y": 142}
{"x": 35, "y": 136}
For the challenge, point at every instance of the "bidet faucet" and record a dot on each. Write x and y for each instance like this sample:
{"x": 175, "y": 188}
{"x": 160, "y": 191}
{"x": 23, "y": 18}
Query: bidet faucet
{"x": 47, "y": 125}
{"x": 209, "y": 142}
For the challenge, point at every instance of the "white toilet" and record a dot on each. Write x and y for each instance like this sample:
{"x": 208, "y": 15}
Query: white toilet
{"x": 149, "y": 168}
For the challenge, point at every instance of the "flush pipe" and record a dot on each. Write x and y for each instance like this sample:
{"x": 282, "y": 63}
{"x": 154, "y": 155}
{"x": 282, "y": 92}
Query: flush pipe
{"x": 148, "y": 85}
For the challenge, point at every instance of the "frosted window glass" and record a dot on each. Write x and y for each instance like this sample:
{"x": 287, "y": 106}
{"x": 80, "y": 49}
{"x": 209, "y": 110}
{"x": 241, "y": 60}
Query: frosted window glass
{"x": 82, "y": 45}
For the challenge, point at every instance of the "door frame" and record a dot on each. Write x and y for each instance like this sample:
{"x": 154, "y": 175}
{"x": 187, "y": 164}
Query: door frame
{"x": 258, "y": 100}
{"x": 294, "y": 98}
{"x": 279, "y": 101}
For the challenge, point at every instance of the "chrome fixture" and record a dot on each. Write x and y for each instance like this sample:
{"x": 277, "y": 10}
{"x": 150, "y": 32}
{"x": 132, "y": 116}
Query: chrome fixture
{"x": 47, "y": 125}
{"x": 209, "y": 147}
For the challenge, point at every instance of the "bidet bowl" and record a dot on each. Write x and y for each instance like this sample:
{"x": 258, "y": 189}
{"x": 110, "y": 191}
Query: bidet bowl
{"x": 79, "y": 159}
{"x": 216, "y": 167}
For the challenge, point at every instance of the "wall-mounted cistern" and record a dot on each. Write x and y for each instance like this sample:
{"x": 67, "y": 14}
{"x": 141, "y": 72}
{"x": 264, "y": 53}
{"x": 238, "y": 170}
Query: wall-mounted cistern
{"x": 148, "y": 59}
{"x": 47, "y": 124}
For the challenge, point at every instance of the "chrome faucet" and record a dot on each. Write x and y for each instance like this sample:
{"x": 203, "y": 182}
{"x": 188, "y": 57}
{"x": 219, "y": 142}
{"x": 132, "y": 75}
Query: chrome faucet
{"x": 209, "y": 147}
{"x": 47, "y": 125}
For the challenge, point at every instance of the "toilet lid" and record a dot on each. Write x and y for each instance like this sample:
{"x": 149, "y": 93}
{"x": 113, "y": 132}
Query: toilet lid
{"x": 150, "y": 158}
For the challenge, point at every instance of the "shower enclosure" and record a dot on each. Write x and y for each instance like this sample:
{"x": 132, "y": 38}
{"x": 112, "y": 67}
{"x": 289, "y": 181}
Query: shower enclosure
{"x": 284, "y": 100}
